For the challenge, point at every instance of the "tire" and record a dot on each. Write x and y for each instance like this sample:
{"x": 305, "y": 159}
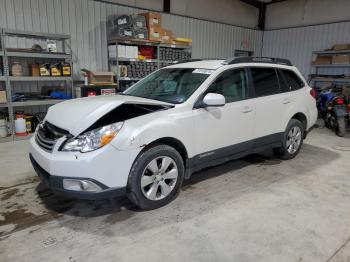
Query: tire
{"x": 341, "y": 130}
{"x": 148, "y": 184}
{"x": 287, "y": 151}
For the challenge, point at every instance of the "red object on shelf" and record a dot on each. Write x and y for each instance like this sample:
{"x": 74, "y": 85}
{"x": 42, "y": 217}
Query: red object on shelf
{"x": 91, "y": 93}
{"x": 147, "y": 52}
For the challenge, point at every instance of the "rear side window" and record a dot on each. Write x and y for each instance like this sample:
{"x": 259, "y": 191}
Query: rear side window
{"x": 284, "y": 86}
{"x": 265, "y": 81}
{"x": 292, "y": 80}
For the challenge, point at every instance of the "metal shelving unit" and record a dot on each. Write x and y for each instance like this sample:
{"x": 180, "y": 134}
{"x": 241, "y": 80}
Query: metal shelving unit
{"x": 38, "y": 78}
{"x": 8, "y": 53}
{"x": 45, "y": 55}
{"x": 329, "y": 67}
{"x": 332, "y": 52}
{"x": 139, "y": 42}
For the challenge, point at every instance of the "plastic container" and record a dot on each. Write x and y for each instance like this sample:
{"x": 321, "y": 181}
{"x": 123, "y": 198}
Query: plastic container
{"x": 20, "y": 125}
{"x": 17, "y": 69}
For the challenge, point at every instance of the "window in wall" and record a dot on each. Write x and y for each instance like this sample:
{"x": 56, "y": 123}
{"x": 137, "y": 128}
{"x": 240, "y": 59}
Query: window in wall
{"x": 232, "y": 84}
{"x": 265, "y": 81}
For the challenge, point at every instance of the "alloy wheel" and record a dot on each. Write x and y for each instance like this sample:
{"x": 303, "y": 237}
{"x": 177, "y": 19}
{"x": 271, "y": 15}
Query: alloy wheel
{"x": 293, "y": 139}
{"x": 159, "y": 178}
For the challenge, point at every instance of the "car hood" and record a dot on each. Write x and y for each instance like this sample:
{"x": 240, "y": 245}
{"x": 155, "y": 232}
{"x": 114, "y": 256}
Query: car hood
{"x": 77, "y": 115}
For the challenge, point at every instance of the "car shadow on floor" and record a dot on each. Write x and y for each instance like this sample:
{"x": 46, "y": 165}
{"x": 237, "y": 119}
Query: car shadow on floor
{"x": 309, "y": 158}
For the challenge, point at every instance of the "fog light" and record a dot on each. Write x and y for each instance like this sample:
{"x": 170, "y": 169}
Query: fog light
{"x": 80, "y": 185}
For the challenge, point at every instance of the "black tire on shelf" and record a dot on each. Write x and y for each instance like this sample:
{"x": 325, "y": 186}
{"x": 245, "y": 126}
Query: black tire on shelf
{"x": 134, "y": 190}
{"x": 282, "y": 151}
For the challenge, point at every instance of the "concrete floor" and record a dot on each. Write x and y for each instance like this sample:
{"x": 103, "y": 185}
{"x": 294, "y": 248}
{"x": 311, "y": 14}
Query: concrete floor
{"x": 253, "y": 209}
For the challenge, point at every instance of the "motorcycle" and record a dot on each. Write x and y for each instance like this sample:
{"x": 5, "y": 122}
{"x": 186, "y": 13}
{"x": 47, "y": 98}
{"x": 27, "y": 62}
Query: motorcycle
{"x": 334, "y": 110}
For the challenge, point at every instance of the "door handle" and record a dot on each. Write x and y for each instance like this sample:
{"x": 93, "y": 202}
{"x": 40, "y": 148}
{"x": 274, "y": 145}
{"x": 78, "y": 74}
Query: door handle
{"x": 247, "y": 109}
{"x": 286, "y": 101}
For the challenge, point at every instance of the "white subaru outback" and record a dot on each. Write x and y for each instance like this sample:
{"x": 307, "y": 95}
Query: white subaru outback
{"x": 144, "y": 142}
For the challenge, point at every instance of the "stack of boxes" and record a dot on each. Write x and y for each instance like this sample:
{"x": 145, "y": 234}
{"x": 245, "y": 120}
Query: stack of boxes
{"x": 130, "y": 26}
{"x": 143, "y": 26}
{"x": 336, "y": 58}
{"x": 155, "y": 30}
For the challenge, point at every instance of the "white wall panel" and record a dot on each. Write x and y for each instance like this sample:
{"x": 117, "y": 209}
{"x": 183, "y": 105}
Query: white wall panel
{"x": 302, "y": 13}
{"x": 85, "y": 21}
{"x": 297, "y": 44}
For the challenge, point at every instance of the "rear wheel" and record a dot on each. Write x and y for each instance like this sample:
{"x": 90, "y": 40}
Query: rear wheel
{"x": 341, "y": 130}
{"x": 155, "y": 177}
{"x": 292, "y": 140}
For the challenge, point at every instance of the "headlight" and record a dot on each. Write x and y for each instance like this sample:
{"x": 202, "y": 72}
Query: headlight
{"x": 94, "y": 139}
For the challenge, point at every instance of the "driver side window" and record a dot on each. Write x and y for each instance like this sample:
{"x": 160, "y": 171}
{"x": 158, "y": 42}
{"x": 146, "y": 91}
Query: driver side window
{"x": 232, "y": 84}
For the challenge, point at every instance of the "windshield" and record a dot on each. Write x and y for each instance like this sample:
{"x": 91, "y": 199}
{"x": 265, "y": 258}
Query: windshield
{"x": 172, "y": 85}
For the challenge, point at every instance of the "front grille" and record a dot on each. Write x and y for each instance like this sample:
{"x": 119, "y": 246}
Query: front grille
{"x": 47, "y": 135}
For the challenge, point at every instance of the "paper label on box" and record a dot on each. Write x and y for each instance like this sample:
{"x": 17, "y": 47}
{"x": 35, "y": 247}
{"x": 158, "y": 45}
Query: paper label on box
{"x": 122, "y": 21}
{"x": 140, "y": 36}
{"x": 155, "y": 34}
{"x": 139, "y": 24}
{"x": 155, "y": 21}
{"x": 203, "y": 71}
{"x": 108, "y": 92}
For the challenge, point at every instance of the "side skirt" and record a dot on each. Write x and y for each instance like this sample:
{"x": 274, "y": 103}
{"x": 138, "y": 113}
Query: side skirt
{"x": 225, "y": 154}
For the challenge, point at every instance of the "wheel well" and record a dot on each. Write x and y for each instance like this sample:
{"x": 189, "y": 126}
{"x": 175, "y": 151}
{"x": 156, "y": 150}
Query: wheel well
{"x": 173, "y": 142}
{"x": 302, "y": 118}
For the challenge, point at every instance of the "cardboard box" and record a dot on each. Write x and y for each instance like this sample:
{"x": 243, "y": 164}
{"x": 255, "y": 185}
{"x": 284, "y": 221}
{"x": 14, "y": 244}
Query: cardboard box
{"x": 153, "y": 19}
{"x": 322, "y": 60}
{"x": 338, "y": 47}
{"x": 131, "y": 51}
{"x": 340, "y": 59}
{"x": 99, "y": 78}
{"x": 3, "y": 97}
{"x": 167, "y": 36}
{"x": 155, "y": 33}
{"x": 112, "y": 51}
{"x": 121, "y": 51}
{"x": 346, "y": 91}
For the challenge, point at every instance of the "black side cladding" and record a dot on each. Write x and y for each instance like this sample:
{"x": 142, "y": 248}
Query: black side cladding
{"x": 125, "y": 112}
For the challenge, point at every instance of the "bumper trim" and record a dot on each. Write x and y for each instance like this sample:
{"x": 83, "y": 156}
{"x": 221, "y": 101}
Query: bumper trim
{"x": 55, "y": 183}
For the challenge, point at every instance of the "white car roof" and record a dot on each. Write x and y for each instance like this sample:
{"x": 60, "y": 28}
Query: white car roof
{"x": 204, "y": 64}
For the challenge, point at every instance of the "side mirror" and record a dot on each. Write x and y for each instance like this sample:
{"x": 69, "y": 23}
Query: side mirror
{"x": 213, "y": 99}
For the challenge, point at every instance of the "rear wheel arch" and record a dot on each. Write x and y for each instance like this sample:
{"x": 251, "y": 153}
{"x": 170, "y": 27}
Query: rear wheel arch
{"x": 302, "y": 118}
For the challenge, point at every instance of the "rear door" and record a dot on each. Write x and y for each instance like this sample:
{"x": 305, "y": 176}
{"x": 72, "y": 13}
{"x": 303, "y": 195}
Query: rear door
{"x": 271, "y": 105}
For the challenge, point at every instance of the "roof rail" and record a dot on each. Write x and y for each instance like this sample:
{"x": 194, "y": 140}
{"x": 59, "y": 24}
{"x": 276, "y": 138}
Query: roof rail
{"x": 196, "y": 60}
{"x": 251, "y": 59}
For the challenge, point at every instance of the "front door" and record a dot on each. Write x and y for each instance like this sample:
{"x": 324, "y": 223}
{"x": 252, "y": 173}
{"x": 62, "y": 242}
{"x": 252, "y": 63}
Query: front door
{"x": 226, "y": 130}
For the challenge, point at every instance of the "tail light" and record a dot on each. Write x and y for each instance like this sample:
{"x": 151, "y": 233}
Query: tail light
{"x": 313, "y": 93}
{"x": 339, "y": 101}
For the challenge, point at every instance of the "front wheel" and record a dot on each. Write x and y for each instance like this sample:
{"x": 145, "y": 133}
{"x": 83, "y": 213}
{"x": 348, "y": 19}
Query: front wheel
{"x": 155, "y": 177}
{"x": 341, "y": 130}
{"x": 292, "y": 140}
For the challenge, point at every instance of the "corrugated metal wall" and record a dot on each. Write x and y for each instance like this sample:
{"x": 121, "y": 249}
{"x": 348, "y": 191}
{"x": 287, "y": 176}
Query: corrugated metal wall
{"x": 85, "y": 21}
{"x": 297, "y": 44}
